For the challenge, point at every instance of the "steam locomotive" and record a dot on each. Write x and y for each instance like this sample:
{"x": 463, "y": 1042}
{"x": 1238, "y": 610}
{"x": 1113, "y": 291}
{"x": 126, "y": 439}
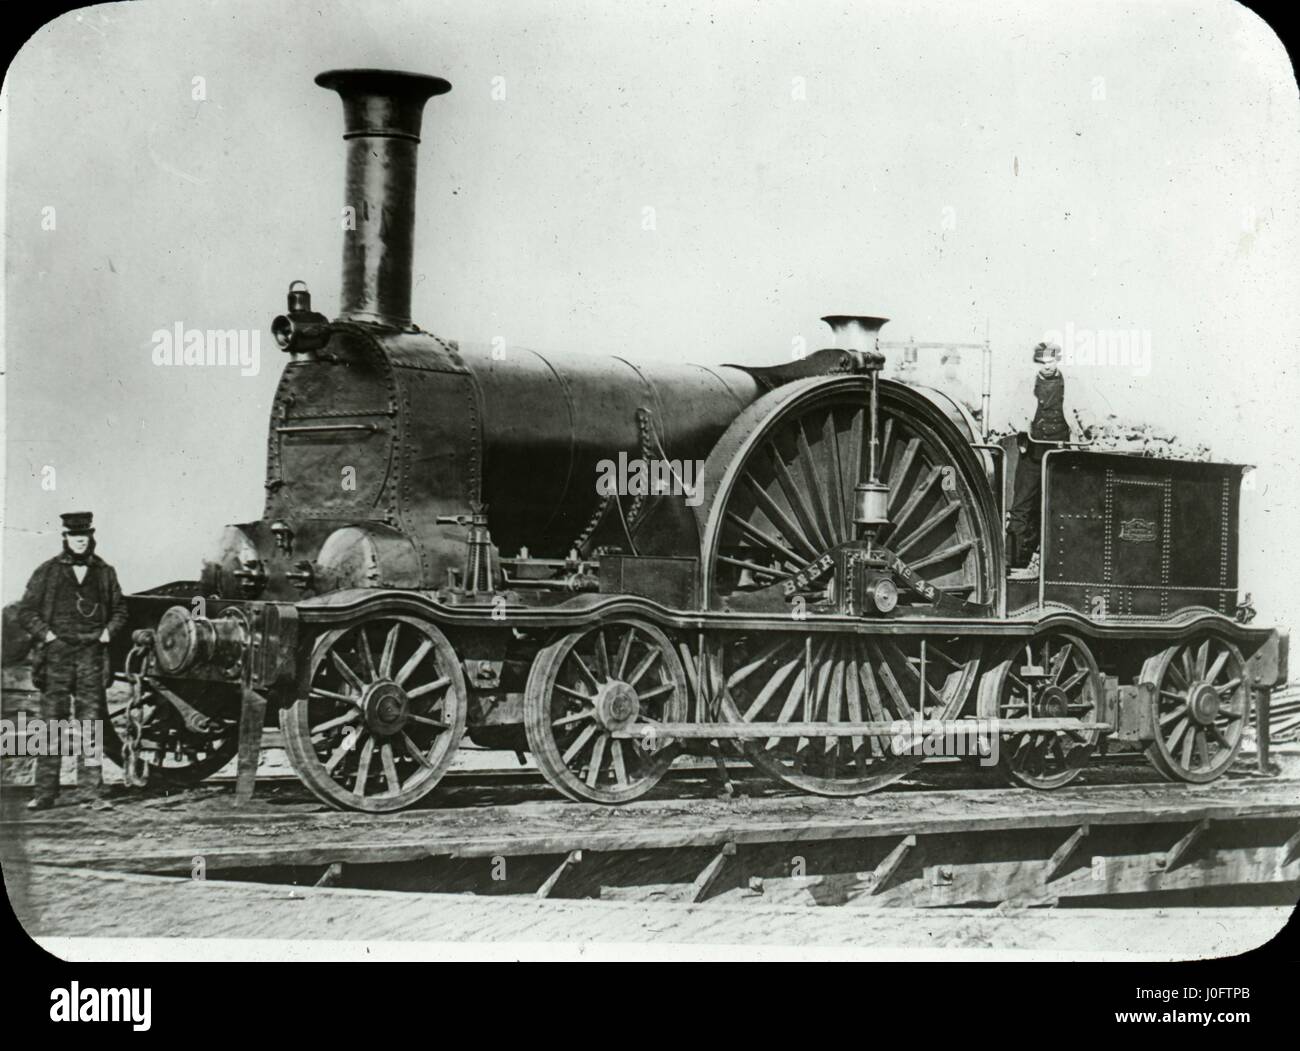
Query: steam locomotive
{"x": 436, "y": 560}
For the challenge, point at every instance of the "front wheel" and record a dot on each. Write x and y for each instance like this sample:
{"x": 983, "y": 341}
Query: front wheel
{"x": 384, "y": 713}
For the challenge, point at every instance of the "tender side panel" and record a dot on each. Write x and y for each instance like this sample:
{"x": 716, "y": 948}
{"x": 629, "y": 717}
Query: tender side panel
{"x": 1136, "y": 537}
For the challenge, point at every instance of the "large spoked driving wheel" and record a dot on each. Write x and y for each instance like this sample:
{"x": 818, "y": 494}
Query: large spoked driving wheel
{"x": 838, "y": 679}
{"x": 1201, "y": 710}
{"x": 586, "y": 692}
{"x": 383, "y": 715}
{"x": 780, "y": 497}
{"x": 1051, "y": 677}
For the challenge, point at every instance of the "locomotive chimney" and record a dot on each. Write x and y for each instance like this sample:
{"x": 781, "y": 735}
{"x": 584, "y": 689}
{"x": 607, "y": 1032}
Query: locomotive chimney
{"x": 856, "y": 332}
{"x": 381, "y": 125}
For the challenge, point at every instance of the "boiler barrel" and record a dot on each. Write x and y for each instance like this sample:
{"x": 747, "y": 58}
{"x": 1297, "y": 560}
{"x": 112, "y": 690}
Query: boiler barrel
{"x": 550, "y": 420}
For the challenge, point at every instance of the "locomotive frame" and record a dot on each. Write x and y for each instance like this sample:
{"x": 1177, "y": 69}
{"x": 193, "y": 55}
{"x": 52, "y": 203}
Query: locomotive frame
{"x": 836, "y": 580}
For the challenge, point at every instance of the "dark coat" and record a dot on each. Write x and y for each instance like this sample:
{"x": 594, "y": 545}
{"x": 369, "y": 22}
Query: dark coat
{"x": 36, "y": 608}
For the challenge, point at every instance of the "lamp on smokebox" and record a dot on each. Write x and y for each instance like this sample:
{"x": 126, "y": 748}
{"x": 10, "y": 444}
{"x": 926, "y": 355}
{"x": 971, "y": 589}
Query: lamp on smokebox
{"x": 300, "y": 330}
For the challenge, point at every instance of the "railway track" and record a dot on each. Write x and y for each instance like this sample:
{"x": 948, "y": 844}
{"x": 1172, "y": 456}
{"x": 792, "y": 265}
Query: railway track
{"x": 925, "y": 845}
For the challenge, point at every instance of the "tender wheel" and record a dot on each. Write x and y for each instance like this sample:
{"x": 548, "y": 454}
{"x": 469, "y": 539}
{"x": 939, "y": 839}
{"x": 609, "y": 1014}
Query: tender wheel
{"x": 383, "y": 716}
{"x": 1052, "y": 677}
{"x": 799, "y": 679}
{"x": 593, "y": 684}
{"x": 1201, "y": 710}
{"x": 173, "y": 753}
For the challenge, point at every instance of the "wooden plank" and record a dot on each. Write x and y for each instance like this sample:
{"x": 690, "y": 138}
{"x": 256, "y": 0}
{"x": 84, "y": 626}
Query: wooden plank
{"x": 570, "y": 859}
{"x": 1061, "y": 856}
{"x": 1179, "y": 850}
{"x": 252, "y": 712}
{"x": 399, "y": 838}
{"x": 1290, "y": 849}
{"x": 889, "y": 864}
{"x": 709, "y": 874}
{"x": 332, "y": 876}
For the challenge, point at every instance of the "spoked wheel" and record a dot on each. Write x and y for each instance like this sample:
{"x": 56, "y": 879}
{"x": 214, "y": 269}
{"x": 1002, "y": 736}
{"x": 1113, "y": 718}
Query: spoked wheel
{"x": 383, "y": 716}
{"x": 835, "y": 679}
{"x": 171, "y": 752}
{"x": 783, "y": 498}
{"x": 1201, "y": 710}
{"x": 583, "y": 689}
{"x": 1051, "y": 677}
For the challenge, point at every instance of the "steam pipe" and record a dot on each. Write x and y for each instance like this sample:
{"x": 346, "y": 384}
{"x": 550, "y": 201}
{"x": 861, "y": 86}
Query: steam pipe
{"x": 382, "y": 111}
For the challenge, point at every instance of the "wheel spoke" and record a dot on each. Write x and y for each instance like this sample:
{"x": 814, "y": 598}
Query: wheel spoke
{"x": 624, "y": 650}
{"x": 367, "y": 658}
{"x": 584, "y": 670}
{"x": 429, "y": 687}
{"x": 390, "y": 767}
{"x": 602, "y": 656}
{"x": 620, "y": 770}
{"x": 363, "y": 766}
{"x": 915, "y": 499}
{"x": 348, "y": 743}
{"x": 333, "y": 724}
{"x": 576, "y": 717}
{"x": 413, "y": 750}
{"x": 1062, "y": 659}
{"x": 768, "y": 541}
{"x": 1218, "y": 736}
{"x": 658, "y": 691}
{"x": 426, "y": 721}
{"x": 770, "y": 687}
{"x": 349, "y": 676}
{"x": 597, "y": 759}
{"x": 1217, "y": 666}
{"x": 577, "y": 695}
{"x": 643, "y": 666}
{"x": 942, "y": 555}
{"x": 329, "y": 695}
{"x": 899, "y": 471}
{"x": 816, "y": 491}
{"x": 390, "y": 647}
{"x": 789, "y": 529}
{"x": 925, "y": 529}
{"x": 1177, "y": 713}
{"x": 798, "y": 501}
{"x": 580, "y": 742}
{"x": 421, "y": 651}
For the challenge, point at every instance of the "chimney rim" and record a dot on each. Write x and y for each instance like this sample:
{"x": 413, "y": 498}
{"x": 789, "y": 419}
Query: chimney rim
{"x": 384, "y": 82}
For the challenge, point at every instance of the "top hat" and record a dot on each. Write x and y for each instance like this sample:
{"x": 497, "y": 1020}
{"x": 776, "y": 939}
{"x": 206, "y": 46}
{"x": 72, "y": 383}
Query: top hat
{"x": 77, "y": 523}
{"x": 1047, "y": 352}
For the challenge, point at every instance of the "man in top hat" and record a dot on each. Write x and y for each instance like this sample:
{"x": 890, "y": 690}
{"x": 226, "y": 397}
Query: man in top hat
{"x": 72, "y": 607}
{"x": 1048, "y": 425}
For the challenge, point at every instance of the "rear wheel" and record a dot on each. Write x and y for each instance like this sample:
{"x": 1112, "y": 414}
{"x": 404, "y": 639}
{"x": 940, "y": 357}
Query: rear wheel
{"x": 1201, "y": 709}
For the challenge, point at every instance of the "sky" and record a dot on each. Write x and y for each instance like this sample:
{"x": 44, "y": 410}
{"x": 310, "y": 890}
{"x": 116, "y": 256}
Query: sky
{"x": 657, "y": 180}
